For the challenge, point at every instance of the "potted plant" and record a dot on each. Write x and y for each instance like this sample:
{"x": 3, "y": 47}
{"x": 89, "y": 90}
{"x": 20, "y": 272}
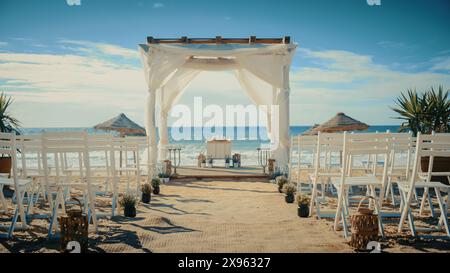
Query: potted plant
{"x": 128, "y": 202}
{"x": 303, "y": 205}
{"x": 155, "y": 185}
{"x": 281, "y": 180}
{"x": 426, "y": 113}
{"x": 8, "y": 124}
{"x": 146, "y": 193}
{"x": 274, "y": 176}
{"x": 289, "y": 189}
{"x": 164, "y": 177}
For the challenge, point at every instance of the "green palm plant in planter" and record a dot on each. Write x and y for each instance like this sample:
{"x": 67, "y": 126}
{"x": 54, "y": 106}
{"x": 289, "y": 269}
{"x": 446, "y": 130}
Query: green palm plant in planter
{"x": 281, "y": 180}
{"x": 8, "y": 124}
{"x": 426, "y": 113}
{"x": 128, "y": 202}
{"x": 303, "y": 205}
{"x": 155, "y": 185}
{"x": 146, "y": 193}
{"x": 289, "y": 189}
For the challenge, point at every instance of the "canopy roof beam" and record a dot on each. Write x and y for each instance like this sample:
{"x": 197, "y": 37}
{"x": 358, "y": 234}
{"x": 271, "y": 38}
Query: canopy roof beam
{"x": 219, "y": 40}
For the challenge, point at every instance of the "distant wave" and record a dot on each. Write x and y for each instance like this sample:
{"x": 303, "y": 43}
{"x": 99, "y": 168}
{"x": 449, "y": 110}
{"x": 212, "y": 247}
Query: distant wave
{"x": 192, "y": 148}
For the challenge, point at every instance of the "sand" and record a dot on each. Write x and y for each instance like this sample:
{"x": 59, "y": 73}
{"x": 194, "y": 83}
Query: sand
{"x": 216, "y": 216}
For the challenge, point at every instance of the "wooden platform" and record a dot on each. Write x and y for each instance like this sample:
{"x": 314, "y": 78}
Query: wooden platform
{"x": 220, "y": 173}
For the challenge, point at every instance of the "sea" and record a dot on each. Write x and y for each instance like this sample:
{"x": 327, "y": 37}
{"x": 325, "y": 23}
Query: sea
{"x": 246, "y": 142}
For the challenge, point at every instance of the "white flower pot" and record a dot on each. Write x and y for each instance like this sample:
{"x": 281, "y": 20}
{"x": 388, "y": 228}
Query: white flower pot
{"x": 203, "y": 165}
{"x": 166, "y": 180}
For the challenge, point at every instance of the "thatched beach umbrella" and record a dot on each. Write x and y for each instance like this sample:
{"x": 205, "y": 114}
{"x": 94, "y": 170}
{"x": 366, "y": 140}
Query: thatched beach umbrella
{"x": 124, "y": 126}
{"x": 338, "y": 123}
{"x": 310, "y": 130}
{"x": 121, "y": 124}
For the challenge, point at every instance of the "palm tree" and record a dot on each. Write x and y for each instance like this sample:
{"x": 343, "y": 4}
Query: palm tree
{"x": 412, "y": 109}
{"x": 7, "y": 122}
{"x": 425, "y": 112}
{"x": 439, "y": 115}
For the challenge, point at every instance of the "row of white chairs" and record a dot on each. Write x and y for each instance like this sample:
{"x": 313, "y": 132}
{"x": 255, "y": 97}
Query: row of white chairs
{"x": 57, "y": 165}
{"x": 379, "y": 174}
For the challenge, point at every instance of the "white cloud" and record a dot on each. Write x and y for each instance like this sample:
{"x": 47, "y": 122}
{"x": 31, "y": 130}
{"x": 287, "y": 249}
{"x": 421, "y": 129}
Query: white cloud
{"x": 441, "y": 63}
{"x": 78, "y": 90}
{"x": 158, "y": 5}
{"x": 44, "y": 82}
{"x": 352, "y": 83}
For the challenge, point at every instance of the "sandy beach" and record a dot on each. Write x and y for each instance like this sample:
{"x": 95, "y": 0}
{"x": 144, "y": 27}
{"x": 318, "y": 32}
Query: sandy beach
{"x": 216, "y": 216}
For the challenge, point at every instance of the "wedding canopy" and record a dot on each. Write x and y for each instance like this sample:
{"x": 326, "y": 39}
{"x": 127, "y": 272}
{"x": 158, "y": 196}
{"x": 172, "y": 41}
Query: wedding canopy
{"x": 261, "y": 66}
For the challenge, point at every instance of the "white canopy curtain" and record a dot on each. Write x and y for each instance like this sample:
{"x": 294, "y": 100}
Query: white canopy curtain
{"x": 169, "y": 68}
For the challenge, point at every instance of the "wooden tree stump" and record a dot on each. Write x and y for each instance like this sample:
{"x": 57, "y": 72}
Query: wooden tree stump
{"x": 168, "y": 167}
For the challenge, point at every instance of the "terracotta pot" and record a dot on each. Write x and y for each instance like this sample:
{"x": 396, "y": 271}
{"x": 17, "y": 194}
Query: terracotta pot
{"x": 440, "y": 164}
{"x": 5, "y": 165}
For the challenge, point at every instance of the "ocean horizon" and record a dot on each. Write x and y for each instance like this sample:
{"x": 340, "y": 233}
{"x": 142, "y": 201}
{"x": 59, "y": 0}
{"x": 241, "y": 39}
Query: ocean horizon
{"x": 192, "y": 148}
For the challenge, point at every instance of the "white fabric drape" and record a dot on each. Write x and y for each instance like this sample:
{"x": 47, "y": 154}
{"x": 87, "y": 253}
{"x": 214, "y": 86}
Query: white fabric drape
{"x": 259, "y": 92}
{"x": 158, "y": 66}
{"x": 170, "y": 68}
{"x": 151, "y": 132}
{"x": 281, "y": 138}
{"x": 168, "y": 96}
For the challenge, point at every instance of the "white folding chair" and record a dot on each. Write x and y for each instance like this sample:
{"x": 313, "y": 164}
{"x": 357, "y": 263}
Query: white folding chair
{"x": 104, "y": 174}
{"x": 431, "y": 147}
{"x": 304, "y": 145}
{"x": 401, "y": 147}
{"x": 328, "y": 146}
{"x": 130, "y": 166}
{"x": 30, "y": 147}
{"x": 426, "y": 197}
{"x": 360, "y": 145}
{"x": 21, "y": 186}
{"x": 58, "y": 145}
{"x": 141, "y": 142}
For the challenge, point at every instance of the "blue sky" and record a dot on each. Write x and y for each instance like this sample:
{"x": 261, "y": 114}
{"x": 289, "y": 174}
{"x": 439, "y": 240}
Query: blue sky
{"x": 78, "y": 65}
